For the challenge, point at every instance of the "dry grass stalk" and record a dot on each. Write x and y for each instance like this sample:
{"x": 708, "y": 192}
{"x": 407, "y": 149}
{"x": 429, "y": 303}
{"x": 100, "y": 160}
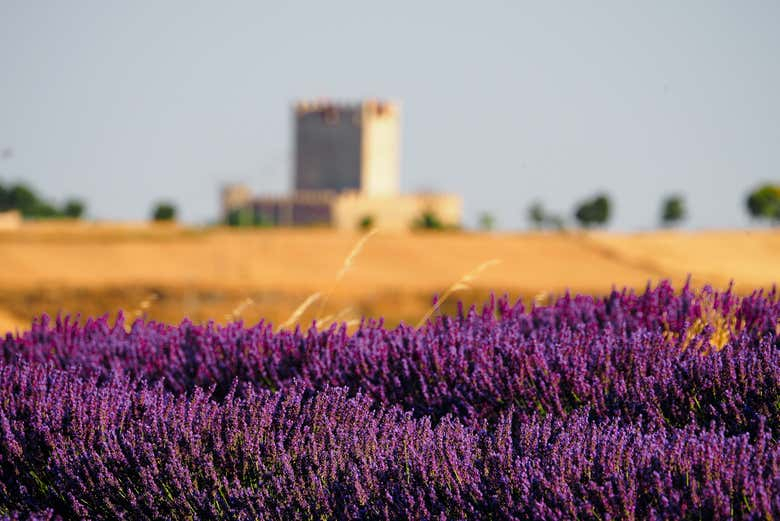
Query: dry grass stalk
{"x": 328, "y": 319}
{"x": 145, "y": 304}
{"x": 236, "y": 313}
{"x": 348, "y": 262}
{"x": 311, "y": 299}
{"x": 542, "y": 299}
{"x": 460, "y": 285}
{"x": 345, "y": 267}
{"x": 354, "y": 253}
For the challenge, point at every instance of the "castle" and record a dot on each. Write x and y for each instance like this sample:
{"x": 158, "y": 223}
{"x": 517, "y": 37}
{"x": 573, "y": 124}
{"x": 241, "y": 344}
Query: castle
{"x": 346, "y": 174}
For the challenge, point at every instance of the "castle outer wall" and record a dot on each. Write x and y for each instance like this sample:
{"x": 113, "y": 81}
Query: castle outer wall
{"x": 398, "y": 212}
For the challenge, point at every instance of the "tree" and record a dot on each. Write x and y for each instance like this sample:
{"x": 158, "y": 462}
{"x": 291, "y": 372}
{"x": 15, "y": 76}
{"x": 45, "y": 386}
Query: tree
{"x": 672, "y": 210}
{"x": 44, "y": 210}
{"x": 537, "y": 215}
{"x": 764, "y": 202}
{"x": 594, "y": 211}
{"x": 486, "y": 221}
{"x": 540, "y": 218}
{"x": 164, "y": 211}
{"x": 74, "y": 208}
{"x": 554, "y": 221}
{"x": 429, "y": 221}
{"x": 239, "y": 217}
{"x": 22, "y": 198}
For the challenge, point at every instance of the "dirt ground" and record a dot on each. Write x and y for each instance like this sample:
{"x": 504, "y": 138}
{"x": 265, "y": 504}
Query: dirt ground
{"x": 168, "y": 273}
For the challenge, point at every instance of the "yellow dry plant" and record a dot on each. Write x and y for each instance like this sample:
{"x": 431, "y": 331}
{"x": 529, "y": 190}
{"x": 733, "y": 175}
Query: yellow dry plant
{"x": 238, "y": 310}
{"x": 141, "y": 308}
{"x": 311, "y": 299}
{"x": 723, "y": 326}
{"x": 145, "y": 304}
{"x": 345, "y": 267}
{"x": 460, "y": 285}
{"x": 336, "y": 317}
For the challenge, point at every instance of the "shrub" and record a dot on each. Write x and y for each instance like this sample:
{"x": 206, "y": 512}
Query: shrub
{"x": 366, "y": 222}
{"x": 594, "y": 211}
{"x": 74, "y": 209}
{"x": 672, "y": 210}
{"x": 486, "y": 221}
{"x": 429, "y": 221}
{"x": 164, "y": 211}
{"x": 764, "y": 203}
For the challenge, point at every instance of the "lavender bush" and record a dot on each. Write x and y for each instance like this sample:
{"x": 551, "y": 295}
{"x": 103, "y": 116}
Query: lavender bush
{"x": 654, "y": 406}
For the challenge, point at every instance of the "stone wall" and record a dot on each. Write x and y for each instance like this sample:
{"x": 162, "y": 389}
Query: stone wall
{"x": 301, "y": 209}
{"x": 380, "y": 149}
{"x": 394, "y": 212}
{"x": 327, "y": 148}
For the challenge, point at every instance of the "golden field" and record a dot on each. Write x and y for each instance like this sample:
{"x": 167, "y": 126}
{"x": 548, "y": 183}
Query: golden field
{"x": 168, "y": 273}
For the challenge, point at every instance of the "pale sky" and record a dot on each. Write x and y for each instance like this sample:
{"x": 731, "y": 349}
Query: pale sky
{"x": 126, "y": 103}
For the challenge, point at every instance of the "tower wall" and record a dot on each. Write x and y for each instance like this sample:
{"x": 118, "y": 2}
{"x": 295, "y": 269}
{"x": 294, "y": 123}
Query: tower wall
{"x": 347, "y": 147}
{"x": 380, "y": 149}
{"x": 327, "y": 148}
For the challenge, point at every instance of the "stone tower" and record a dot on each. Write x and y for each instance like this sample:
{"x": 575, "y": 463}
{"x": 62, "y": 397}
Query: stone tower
{"x": 341, "y": 148}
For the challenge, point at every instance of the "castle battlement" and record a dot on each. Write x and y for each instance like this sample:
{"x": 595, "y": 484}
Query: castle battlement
{"x": 373, "y": 106}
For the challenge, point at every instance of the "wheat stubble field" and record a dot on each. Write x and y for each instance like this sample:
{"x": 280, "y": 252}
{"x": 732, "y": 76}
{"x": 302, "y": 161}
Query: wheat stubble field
{"x": 168, "y": 273}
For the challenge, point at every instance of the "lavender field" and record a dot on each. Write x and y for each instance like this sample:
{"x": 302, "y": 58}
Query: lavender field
{"x": 660, "y": 405}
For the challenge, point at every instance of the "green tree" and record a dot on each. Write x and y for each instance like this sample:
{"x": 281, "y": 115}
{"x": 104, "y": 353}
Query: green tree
{"x": 537, "y": 215}
{"x": 240, "y": 217}
{"x": 486, "y": 221}
{"x": 22, "y": 198}
{"x": 429, "y": 221}
{"x": 44, "y": 210}
{"x": 164, "y": 211}
{"x": 672, "y": 210}
{"x": 74, "y": 208}
{"x": 540, "y": 218}
{"x": 764, "y": 202}
{"x": 594, "y": 211}
{"x": 555, "y": 222}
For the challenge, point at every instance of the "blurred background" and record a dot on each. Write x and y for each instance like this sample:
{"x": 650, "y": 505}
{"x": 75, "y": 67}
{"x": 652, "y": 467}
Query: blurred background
{"x": 223, "y": 160}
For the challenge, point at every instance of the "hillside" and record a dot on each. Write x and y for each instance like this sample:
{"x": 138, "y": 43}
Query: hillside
{"x": 169, "y": 272}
